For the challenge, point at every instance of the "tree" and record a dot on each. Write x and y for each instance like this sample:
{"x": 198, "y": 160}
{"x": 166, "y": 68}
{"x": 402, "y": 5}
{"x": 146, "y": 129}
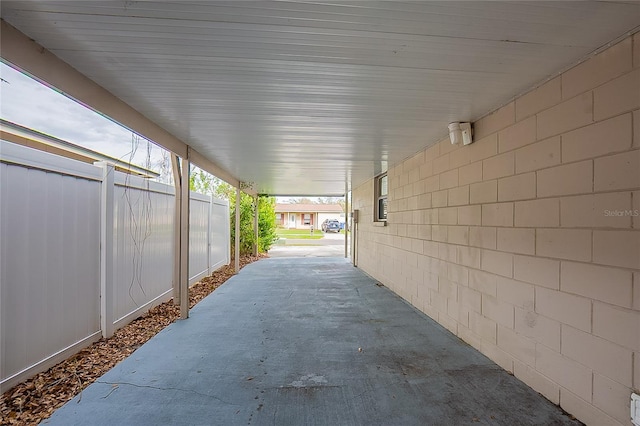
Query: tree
{"x": 266, "y": 219}
{"x": 205, "y": 183}
{"x": 317, "y": 200}
{"x": 302, "y": 200}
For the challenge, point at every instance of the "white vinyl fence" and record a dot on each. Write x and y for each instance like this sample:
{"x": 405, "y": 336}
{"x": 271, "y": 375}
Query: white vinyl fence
{"x": 51, "y": 214}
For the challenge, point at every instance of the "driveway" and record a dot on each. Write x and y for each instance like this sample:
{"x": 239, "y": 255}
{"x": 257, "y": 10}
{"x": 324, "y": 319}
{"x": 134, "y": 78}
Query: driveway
{"x": 331, "y": 245}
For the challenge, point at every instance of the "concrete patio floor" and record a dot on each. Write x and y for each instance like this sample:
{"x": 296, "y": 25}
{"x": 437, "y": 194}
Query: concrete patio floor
{"x": 306, "y": 341}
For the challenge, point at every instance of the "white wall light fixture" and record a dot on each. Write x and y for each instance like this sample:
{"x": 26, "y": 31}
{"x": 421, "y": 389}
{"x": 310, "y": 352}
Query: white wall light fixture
{"x": 460, "y": 132}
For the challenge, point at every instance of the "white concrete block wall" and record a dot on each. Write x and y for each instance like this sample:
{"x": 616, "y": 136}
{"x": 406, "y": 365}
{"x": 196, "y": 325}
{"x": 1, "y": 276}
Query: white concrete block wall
{"x": 526, "y": 244}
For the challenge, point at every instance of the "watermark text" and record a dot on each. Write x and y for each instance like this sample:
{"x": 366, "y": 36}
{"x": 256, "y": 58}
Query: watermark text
{"x": 622, "y": 213}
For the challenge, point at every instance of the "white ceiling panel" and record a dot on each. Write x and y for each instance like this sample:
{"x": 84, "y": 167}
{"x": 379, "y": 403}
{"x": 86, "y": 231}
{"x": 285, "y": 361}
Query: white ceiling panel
{"x": 301, "y": 97}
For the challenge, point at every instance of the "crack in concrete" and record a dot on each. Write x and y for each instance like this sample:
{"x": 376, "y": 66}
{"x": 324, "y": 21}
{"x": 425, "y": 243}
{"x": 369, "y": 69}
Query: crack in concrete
{"x": 166, "y": 389}
{"x": 307, "y": 387}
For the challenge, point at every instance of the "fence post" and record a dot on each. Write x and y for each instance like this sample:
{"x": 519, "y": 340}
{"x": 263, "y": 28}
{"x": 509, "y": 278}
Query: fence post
{"x": 237, "y": 230}
{"x": 176, "y": 229}
{"x": 181, "y": 171}
{"x": 185, "y": 164}
{"x": 256, "y": 212}
{"x": 227, "y": 232}
{"x": 106, "y": 249}
{"x": 346, "y": 220}
{"x": 209, "y": 230}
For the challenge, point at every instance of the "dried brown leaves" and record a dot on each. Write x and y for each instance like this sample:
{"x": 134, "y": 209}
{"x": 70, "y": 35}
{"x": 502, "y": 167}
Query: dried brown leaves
{"x": 36, "y": 399}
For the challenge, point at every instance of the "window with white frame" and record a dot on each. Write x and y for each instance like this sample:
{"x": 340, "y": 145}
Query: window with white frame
{"x": 306, "y": 219}
{"x": 381, "y": 191}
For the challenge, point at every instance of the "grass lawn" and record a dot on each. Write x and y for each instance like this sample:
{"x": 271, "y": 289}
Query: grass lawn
{"x": 299, "y": 234}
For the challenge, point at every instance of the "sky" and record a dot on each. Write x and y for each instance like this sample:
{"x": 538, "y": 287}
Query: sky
{"x": 29, "y": 103}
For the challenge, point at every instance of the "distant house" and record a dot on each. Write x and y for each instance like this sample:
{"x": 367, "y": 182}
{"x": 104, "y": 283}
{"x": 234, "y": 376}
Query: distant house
{"x": 304, "y": 216}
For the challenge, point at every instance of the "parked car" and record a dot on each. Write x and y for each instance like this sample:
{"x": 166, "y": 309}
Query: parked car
{"x": 331, "y": 225}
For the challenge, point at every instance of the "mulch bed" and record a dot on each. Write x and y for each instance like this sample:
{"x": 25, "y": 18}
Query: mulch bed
{"x": 37, "y": 398}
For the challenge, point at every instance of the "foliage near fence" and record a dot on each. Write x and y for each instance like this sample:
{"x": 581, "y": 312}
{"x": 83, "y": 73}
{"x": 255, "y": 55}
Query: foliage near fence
{"x": 205, "y": 183}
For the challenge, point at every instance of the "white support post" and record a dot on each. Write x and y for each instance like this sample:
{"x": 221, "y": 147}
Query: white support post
{"x": 181, "y": 170}
{"x": 106, "y": 250}
{"x": 237, "y": 240}
{"x": 346, "y": 221}
{"x": 255, "y": 226}
{"x": 176, "y": 229}
{"x": 184, "y": 238}
{"x": 354, "y": 238}
{"x": 209, "y": 228}
{"x": 228, "y": 235}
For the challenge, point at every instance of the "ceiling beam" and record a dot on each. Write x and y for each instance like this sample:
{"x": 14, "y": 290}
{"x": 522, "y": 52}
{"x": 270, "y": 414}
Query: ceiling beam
{"x": 30, "y": 57}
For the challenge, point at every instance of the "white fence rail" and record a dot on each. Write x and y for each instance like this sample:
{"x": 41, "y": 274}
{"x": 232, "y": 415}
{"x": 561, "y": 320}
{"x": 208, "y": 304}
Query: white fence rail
{"x": 50, "y": 258}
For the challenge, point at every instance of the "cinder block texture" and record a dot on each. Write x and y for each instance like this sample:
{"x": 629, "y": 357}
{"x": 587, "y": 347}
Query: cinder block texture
{"x": 619, "y": 171}
{"x": 636, "y": 50}
{"x": 600, "y": 355}
{"x": 520, "y": 134}
{"x": 537, "y": 381}
{"x": 614, "y": 324}
{"x": 611, "y": 397}
{"x": 519, "y": 187}
{"x": 617, "y": 248}
{"x": 600, "y": 69}
{"x": 541, "y": 213}
{"x": 543, "y": 97}
{"x": 484, "y": 237}
{"x": 595, "y": 140}
{"x": 470, "y": 173}
{"x": 610, "y": 285}
{"x": 565, "y": 308}
{"x": 618, "y": 96}
{"x": 607, "y": 210}
{"x": 483, "y": 192}
{"x": 536, "y": 270}
{"x": 526, "y": 243}
{"x": 572, "y": 244}
{"x": 584, "y": 411}
{"x": 636, "y": 127}
{"x": 574, "y": 178}
{"x": 500, "y": 214}
{"x": 517, "y": 240}
{"x": 539, "y": 328}
{"x": 469, "y": 215}
{"x": 566, "y": 372}
{"x": 539, "y": 155}
{"x": 495, "y": 121}
{"x": 498, "y": 166}
{"x": 568, "y": 115}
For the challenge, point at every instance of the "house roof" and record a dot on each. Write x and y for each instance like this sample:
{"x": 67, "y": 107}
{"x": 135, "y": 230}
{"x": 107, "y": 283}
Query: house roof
{"x": 22, "y": 135}
{"x": 308, "y": 208}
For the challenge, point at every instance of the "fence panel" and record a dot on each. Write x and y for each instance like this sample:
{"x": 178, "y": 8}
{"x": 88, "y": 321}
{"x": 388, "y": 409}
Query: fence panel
{"x": 50, "y": 219}
{"x": 199, "y": 222}
{"x": 219, "y": 234}
{"x": 143, "y": 246}
{"x": 49, "y": 260}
